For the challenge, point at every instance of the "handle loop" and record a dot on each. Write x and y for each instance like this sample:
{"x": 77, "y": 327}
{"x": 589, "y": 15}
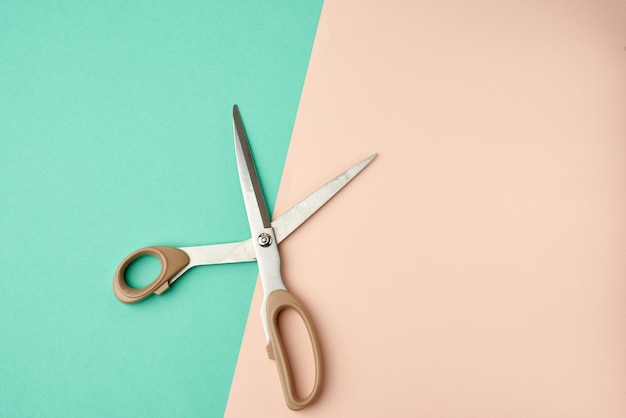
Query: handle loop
{"x": 277, "y": 301}
{"x": 173, "y": 260}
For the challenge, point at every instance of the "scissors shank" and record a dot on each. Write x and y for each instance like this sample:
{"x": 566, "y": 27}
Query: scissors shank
{"x": 234, "y": 252}
{"x": 202, "y": 255}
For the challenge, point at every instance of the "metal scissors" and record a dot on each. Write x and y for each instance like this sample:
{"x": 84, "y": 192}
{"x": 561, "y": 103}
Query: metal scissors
{"x": 262, "y": 247}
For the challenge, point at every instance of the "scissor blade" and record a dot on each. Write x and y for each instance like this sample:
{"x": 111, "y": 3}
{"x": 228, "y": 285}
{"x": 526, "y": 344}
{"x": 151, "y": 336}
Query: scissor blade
{"x": 256, "y": 208}
{"x": 235, "y": 252}
{"x": 294, "y": 217}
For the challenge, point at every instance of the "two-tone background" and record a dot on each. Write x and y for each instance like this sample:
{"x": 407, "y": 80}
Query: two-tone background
{"x": 476, "y": 269}
{"x": 116, "y": 133}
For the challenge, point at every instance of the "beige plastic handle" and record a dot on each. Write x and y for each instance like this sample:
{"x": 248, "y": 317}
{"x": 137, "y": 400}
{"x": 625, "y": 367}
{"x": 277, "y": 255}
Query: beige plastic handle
{"x": 172, "y": 261}
{"x": 278, "y": 301}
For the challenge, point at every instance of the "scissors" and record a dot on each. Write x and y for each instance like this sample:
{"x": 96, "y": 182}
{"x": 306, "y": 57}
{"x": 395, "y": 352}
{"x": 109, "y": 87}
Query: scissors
{"x": 262, "y": 247}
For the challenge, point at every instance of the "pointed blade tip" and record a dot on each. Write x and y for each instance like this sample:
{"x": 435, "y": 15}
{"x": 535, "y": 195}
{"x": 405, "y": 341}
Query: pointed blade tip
{"x": 370, "y": 158}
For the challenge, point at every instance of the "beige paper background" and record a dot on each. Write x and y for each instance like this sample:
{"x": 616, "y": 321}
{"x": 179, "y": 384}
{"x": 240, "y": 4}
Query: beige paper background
{"x": 477, "y": 267}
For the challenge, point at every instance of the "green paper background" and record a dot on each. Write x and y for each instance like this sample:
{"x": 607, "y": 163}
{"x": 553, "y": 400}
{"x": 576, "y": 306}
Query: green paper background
{"x": 115, "y": 134}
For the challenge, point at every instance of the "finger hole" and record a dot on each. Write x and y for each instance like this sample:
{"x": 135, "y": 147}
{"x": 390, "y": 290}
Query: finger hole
{"x": 298, "y": 350}
{"x": 142, "y": 271}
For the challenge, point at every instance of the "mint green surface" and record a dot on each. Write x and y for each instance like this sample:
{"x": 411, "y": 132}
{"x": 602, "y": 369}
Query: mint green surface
{"x": 115, "y": 134}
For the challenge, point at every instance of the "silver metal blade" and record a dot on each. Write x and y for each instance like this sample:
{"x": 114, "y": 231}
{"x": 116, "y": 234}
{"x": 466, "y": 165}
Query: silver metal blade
{"x": 258, "y": 215}
{"x": 199, "y": 255}
{"x": 235, "y": 252}
{"x": 296, "y": 216}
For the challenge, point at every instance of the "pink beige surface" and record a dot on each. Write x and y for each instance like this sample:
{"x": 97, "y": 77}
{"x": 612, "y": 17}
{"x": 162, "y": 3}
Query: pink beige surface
{"x": 477, "y": 267}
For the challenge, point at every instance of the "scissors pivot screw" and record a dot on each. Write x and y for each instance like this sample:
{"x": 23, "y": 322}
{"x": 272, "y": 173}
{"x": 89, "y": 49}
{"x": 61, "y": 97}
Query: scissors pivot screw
{"x": 265, "y": 240}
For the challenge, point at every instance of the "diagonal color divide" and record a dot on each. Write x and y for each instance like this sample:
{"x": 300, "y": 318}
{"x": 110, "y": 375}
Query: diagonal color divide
{"x": 478, "y": 268}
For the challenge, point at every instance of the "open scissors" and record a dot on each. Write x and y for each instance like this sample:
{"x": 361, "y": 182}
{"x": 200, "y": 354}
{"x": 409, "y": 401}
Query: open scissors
{"x": 262, "y": 248}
